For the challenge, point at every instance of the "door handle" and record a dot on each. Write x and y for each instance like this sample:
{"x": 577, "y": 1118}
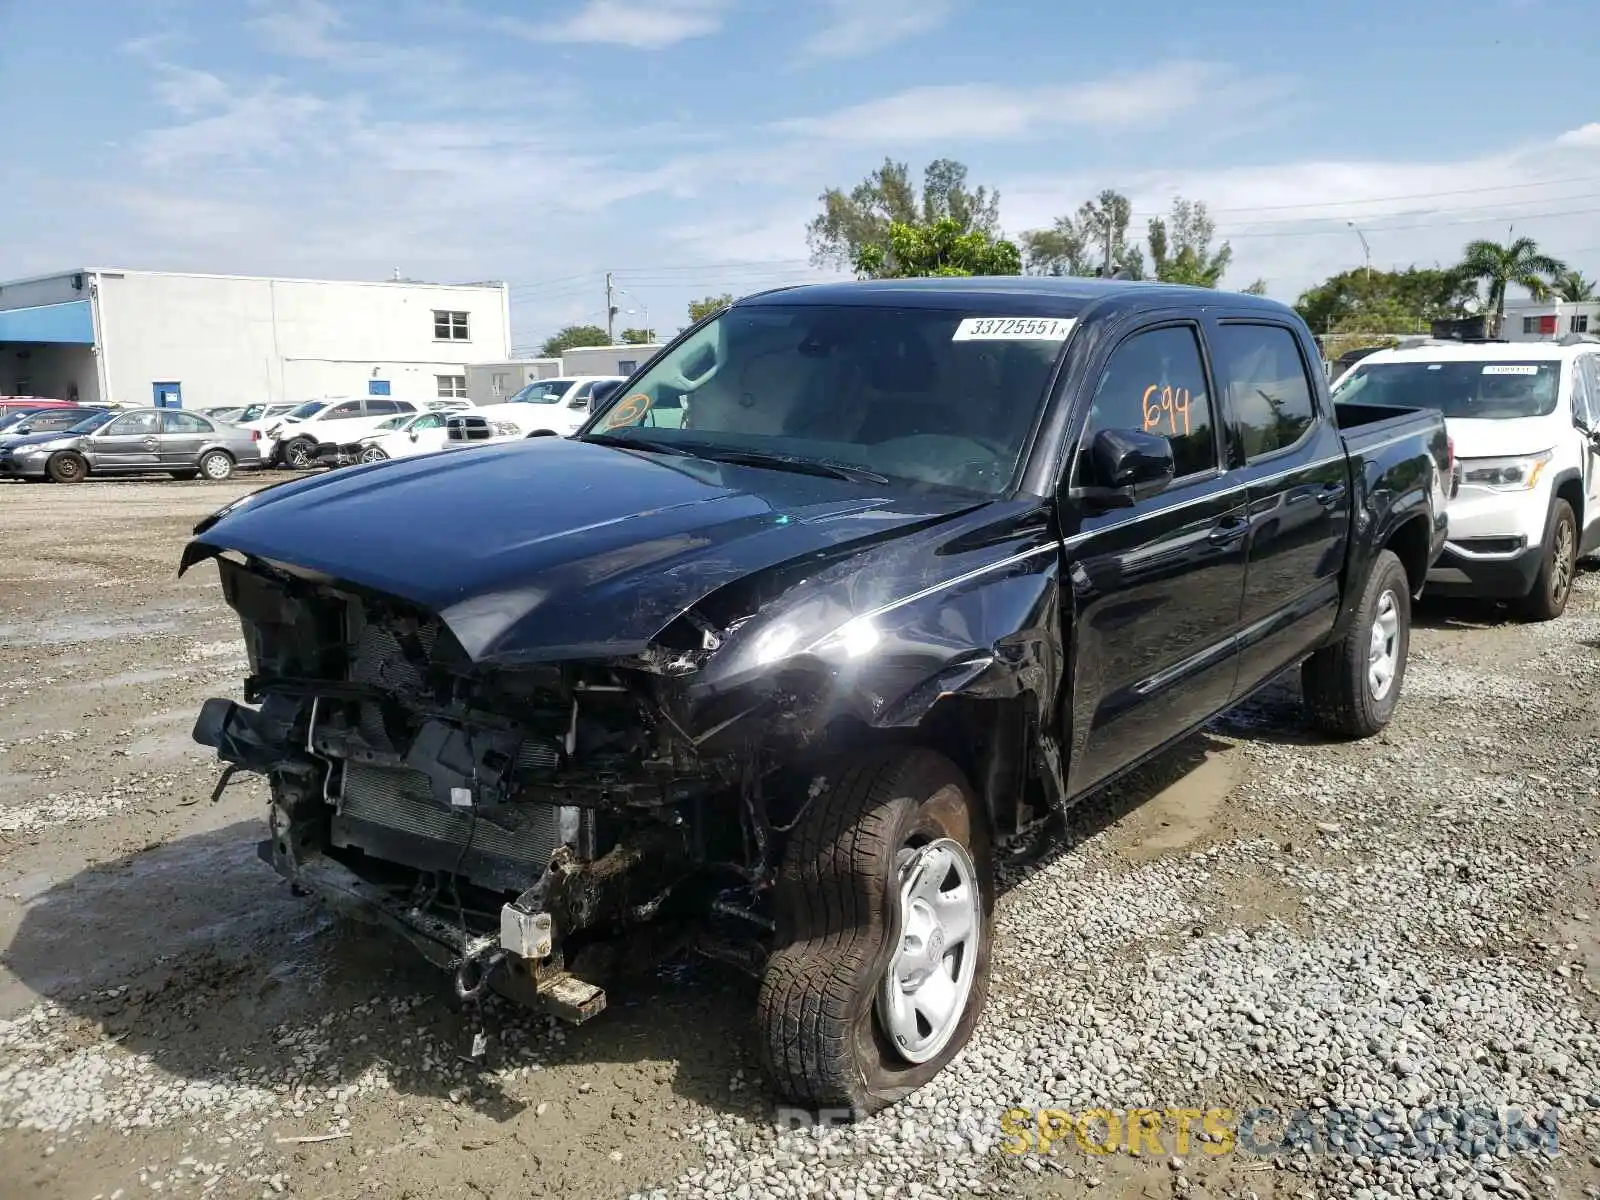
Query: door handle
{"x": 1331, "y": 495}
{"x": 1228, "y": 531}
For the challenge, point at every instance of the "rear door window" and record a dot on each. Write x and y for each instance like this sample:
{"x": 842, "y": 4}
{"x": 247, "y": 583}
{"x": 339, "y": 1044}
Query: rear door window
{"x": 1260, "y": 370}
{"x": 182, "y": 422}
{"x": 350, "y": 408}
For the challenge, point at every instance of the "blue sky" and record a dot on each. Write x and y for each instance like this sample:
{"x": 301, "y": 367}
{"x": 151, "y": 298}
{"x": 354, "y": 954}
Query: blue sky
{"x": 682, "y": 143}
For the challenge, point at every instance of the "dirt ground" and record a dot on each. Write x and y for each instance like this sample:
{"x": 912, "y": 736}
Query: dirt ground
{"x": 172, "y": 1019}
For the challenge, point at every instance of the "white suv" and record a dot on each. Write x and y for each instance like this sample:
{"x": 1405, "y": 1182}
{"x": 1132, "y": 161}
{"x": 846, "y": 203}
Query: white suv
{"x": 334, "y": 420}
{"x": 556, "y": 406}
{"x": 1524, "y": 418}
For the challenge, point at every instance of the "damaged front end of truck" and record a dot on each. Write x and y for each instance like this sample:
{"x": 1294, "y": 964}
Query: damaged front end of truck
{"x": 536, "y": 815}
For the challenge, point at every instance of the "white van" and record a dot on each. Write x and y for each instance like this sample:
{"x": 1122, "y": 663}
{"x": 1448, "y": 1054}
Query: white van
{"x": 1524, "y": 418}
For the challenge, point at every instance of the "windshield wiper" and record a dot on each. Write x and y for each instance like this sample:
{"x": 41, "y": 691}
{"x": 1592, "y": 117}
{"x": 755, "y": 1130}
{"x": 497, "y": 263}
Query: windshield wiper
{"x": 648, "y": 445}
{"x": 789, "y": 462}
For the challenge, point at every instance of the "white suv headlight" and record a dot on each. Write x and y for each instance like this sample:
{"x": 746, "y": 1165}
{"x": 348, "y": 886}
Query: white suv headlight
{"x": 505, "y": 428}
{"x": 1515, "y": 473}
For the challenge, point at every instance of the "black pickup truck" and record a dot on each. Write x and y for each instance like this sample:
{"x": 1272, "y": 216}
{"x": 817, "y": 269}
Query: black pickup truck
{"x": 852, "y": 587}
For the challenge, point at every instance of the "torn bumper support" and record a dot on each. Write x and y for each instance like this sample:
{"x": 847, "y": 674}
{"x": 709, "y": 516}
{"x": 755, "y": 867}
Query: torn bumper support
{"x": 518, "y": 964}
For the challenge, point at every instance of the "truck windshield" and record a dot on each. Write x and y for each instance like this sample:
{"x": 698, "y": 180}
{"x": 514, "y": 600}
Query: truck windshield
{"x": 924, "y": 396}
{"x": 541, "y": 391}
{"x": 1484, "y": 391}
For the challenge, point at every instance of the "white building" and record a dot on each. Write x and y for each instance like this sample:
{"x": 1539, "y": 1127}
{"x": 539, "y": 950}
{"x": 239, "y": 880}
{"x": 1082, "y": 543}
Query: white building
{"x": 1547, "y": 320}
{"x": 142, "y": 337}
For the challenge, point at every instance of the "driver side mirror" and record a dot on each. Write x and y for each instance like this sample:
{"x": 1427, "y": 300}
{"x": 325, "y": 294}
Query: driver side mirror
{"x": 414, "y": 435}
{"x": 1125, "y": 467}
{"x": 600, "y": 393}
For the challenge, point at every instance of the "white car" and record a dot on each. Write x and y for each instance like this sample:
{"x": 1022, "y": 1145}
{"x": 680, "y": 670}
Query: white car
{"x": 1524, "y": 419}
{"x": 334, "y": 420}
{"x": 556, "y": 406}
{"x": 401, "y": 437}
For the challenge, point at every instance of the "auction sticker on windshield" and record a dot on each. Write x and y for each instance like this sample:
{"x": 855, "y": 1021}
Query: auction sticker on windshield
{"x": 1511, "y": 369}
{"x": 1013, "y": 329}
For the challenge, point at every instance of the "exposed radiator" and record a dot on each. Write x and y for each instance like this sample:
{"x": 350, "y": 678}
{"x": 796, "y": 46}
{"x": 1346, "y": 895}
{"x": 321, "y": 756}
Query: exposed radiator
{"x": 390, "y": 814}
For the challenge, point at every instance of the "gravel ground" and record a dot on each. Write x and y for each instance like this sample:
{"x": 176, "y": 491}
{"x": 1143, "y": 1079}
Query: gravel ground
{"x": 1388, "y": 947}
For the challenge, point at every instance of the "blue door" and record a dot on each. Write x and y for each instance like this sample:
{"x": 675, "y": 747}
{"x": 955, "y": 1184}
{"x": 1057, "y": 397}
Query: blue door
{"x": 377, "y": 387}
{"x": 168, "y": 395}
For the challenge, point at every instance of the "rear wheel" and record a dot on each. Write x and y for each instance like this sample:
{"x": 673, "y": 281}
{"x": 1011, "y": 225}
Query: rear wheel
{"x": 1351, "y": 688}
{"x": 883, "y": 905}
{"x": 216, "y": 466}
{"x": 1548, "y": 599}
{"x": 67, "y": 467}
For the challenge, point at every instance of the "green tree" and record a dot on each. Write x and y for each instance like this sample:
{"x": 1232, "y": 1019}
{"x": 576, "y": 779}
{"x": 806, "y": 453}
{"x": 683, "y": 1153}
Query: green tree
{"x": 1180, "y": 246}
{"x": 1497, "y": 267}
{"x": 1572, "y": 287}
{"x": 637, "y": 337}
{"x": 707, "y": 306}
{"x": 1076, "y": 245}
{"x": 572, "y": 337}
{"x": 939, "y": 248}
{"x": 850, "y": 221}
{"x": 1412, "y": 298}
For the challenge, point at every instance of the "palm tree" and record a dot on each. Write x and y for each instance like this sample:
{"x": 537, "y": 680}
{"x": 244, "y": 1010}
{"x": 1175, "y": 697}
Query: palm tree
{"x": 1519, "y": 262}
{"x": 1572, "y": 287}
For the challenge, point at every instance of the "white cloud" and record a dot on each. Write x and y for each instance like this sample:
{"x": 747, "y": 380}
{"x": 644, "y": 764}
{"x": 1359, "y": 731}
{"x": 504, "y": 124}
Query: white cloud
{"x": 993, "y": 112}
{"x": 858, "y": 27}
{"x": 303, "y": 28}
{"x": 1290, "y": 222}
{"x": 641, "y": 24}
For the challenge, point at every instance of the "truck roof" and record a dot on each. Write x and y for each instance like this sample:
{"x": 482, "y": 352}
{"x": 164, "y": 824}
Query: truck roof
{"x": 1041, "y": 295}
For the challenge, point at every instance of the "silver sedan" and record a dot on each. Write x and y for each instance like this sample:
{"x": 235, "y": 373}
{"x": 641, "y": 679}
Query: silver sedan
{"x": 135, "y": 441}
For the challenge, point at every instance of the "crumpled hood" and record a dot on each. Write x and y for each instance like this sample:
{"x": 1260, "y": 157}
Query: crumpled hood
{"x": 1497, "y": 439}
{"x": 549, "y": 549}
{"x": 16, "y": 442}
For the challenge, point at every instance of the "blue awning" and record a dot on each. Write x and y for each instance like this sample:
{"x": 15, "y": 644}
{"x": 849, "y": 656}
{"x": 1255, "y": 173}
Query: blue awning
{"x": 72, "y": 323}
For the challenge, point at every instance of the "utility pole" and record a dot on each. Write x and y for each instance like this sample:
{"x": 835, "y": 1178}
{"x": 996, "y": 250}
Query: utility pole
{"x": 1365, "y": 249}
{"x": 611, "y": 314}
{"x": 1106, "y": 273}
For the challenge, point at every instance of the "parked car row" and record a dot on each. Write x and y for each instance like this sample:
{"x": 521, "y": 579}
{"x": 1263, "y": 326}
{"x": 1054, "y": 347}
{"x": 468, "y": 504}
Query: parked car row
{"x": 102, "y": 441}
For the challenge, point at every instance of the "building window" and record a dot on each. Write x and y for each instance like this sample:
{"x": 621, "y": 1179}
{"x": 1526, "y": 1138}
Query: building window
{"x": 1530, "y": 324}
{"x": 1579, "y": 323}
{"x": 452, "y": 387}
{"x": 498, "y": 387}
{"x": 450, "y": 326}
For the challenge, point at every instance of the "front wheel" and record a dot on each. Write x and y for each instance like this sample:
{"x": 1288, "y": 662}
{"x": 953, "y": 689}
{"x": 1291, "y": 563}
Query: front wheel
{"x": 883, "y": 906}
{"x": 300, "y": 454}
{"x": 67, "y": 467}
{"x": 371, "y": 454}
{"x": 1548, "y": 599}
{"x": 1351, "y": 688}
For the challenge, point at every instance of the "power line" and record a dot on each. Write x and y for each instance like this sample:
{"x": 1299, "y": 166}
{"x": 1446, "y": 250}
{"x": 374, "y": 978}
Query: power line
{"x": 1465, "y": 208}
{"x": 1388, "y": 199}
{"x": 1513, "y": 217}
